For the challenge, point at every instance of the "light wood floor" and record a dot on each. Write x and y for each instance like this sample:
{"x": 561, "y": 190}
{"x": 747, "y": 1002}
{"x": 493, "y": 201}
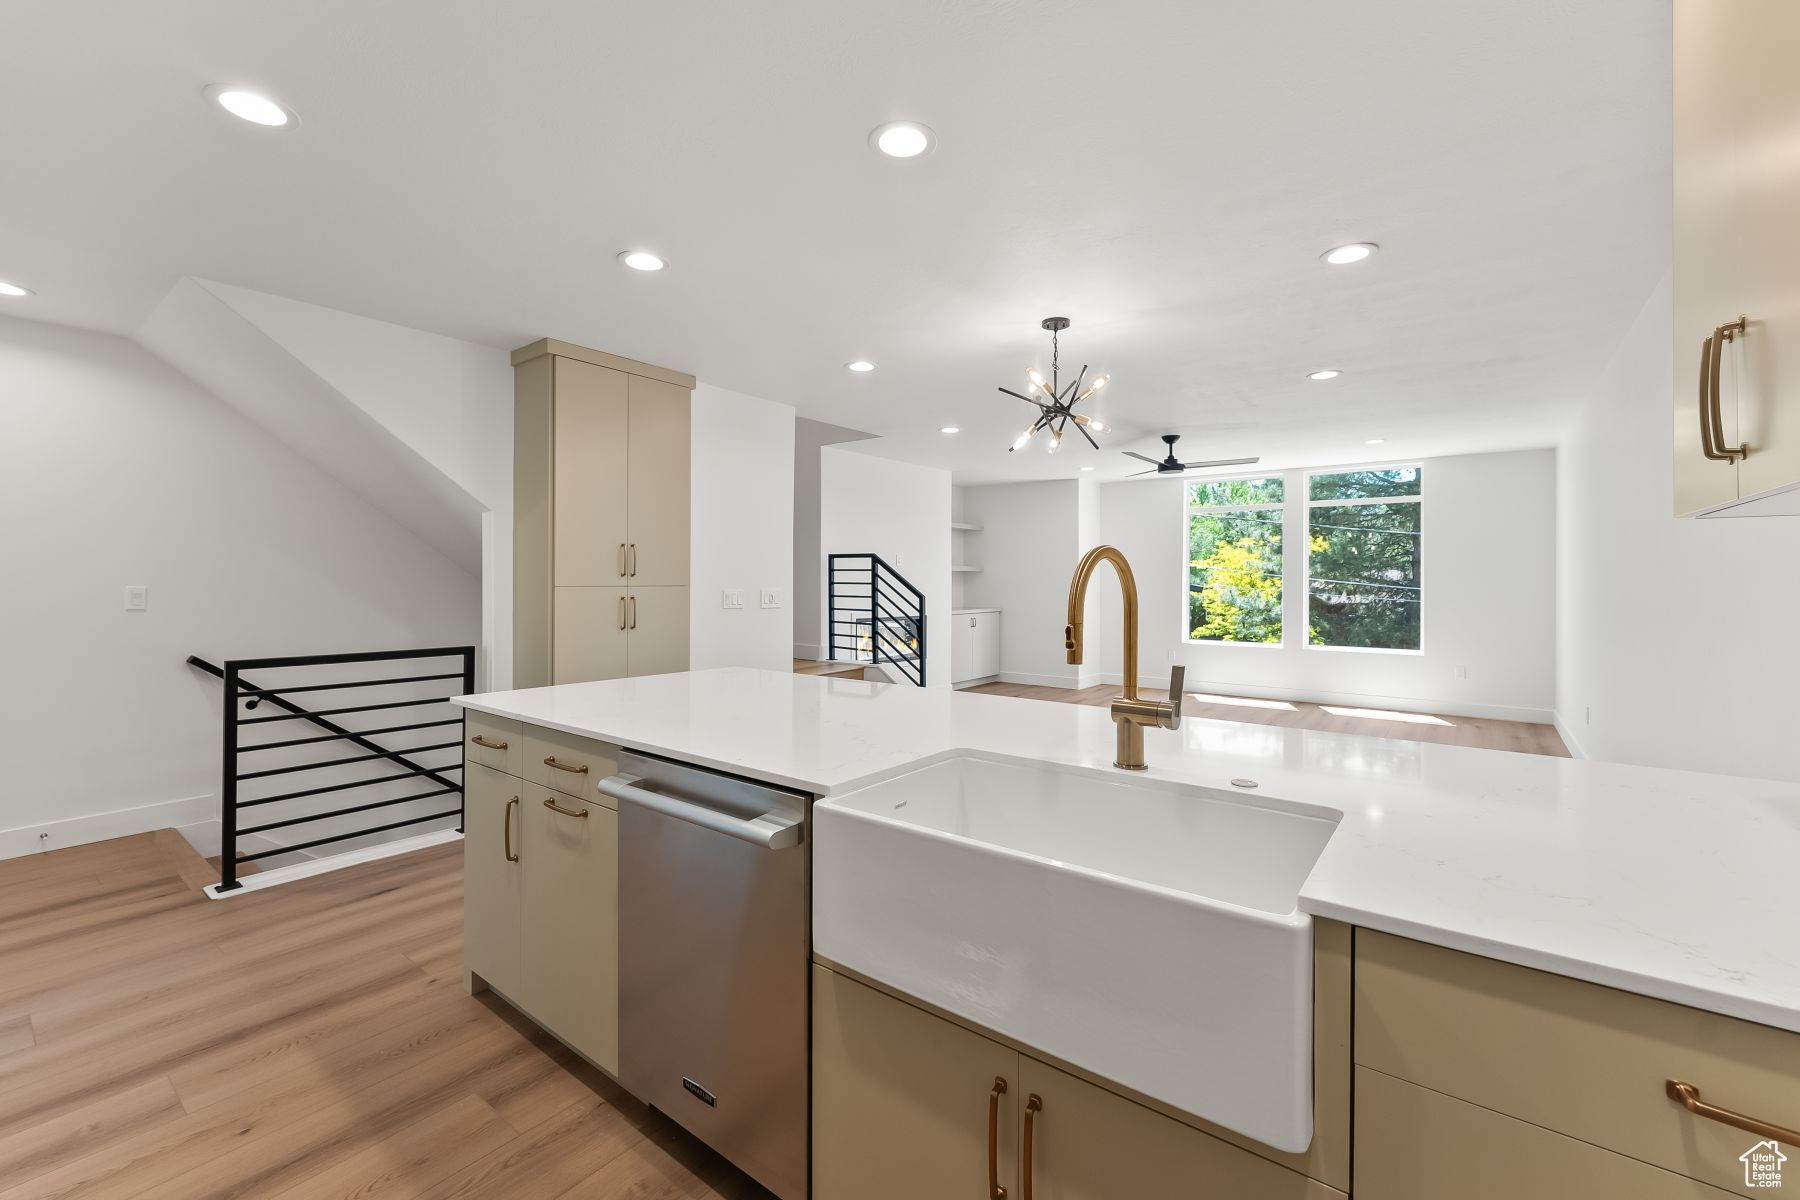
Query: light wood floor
{"x": 1522, "y": 736}
{"x": 309, "y": 1042}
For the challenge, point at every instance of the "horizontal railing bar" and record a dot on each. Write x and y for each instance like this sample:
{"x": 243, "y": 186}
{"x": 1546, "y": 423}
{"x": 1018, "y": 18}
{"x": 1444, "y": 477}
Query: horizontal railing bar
{"x": 344, "y": 787}
{"x": 246, "y": 690}
{"x": 313, "y": 660}
{"x": 338, "y": 737}
{"x": 325, "y": 841}
{"x": 355, "y": 758}
{"x": 332, "y": 712}
{"x": 344, "y": 812}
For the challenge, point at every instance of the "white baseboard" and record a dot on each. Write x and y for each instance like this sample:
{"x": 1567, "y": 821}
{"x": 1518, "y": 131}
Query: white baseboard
{"x": 1492, "y": 712}
{"x": 332, "y": 862}
{"x": 809, "y": 653}
{"x": 1030, "y": 680}
{"x": 1568, "y": 737}
{"x": 187, "y": 814}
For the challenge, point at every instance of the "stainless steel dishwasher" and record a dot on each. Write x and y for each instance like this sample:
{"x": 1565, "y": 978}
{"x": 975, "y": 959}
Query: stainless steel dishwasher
{"x": 714, "y": 1022}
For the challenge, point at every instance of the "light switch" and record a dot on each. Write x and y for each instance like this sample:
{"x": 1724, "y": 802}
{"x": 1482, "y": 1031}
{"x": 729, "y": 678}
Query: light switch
{"x": 731, "y": 598}
{"x": 137, "y": 597}
{"x": 771, "y": 598}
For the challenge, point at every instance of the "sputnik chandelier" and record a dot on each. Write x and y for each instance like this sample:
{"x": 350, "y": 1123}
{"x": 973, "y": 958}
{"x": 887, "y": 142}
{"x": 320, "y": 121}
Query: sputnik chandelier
{"x": 1055, "y": 403}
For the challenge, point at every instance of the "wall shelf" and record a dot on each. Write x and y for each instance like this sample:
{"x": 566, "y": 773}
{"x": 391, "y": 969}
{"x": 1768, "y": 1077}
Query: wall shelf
{"x": 964, "y": 568}
{"x": 964, "y": 527}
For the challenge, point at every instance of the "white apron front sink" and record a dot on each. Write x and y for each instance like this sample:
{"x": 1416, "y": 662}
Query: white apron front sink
{"x": 1143, "y": 930}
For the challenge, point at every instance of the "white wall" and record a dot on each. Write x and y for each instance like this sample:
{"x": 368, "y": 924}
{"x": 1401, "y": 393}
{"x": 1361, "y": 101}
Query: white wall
{"x": 901, "y": 512}
{"x": 1029, "y": 544}
{"x": 1489, "y": 563}
{"x": 1677, "y": 643}
{"x": 743, "y": 514}
{"x": 116, "y": 470}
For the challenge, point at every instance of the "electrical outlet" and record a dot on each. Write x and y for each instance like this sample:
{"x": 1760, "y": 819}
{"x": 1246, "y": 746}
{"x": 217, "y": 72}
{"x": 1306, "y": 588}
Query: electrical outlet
{"x": 731, "y": 598}
{"x": 771, "y": 598}
{"x": 1462, "y": 672}
{"x": 137, "y": 597}
{"x": 1587, "y": 715}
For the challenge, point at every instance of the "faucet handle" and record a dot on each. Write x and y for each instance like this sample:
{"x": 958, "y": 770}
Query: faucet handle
{"x": 1177, "y": 678}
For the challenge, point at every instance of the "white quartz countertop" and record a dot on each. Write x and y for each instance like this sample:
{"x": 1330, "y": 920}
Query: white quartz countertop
{"x": 1666, "y": 883}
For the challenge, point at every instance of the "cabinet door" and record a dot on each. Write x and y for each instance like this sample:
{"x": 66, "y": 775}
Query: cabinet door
{"x": 569, "y": 935}
{"x": 491, "y": 889}
{"x": 1089, "y": 1144}
{"x": 660, "y": 440}
{"x": 987, "y": 644}
{"x": 1768, "y": 386}
{"x": 1711, "y": 91}
{"x": 962, "y": 647}
{"x": 657, "y": 630}
{"x": 901, "y": 1099}
{"x": 590, "y": 634}
{"x": 590, "y": 469}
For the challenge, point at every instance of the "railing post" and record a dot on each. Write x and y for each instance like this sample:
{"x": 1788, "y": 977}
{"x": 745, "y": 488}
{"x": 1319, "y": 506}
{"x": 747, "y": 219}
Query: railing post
{"x": 228, "y": 785}
{"x": 831, "y": 608}
{"x": 921, "y": 645}
{"x": 874, "y": 610}
{"x": 462, "y": 783}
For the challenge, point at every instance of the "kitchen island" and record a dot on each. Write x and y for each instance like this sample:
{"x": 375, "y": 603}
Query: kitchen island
{"x": 1447, "y": 864}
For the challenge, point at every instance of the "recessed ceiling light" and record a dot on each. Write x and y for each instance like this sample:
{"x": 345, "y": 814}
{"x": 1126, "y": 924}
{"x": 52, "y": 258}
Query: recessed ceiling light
{"x": 949, "y": 429}
{"x": 13, "y": 289}
{"x": 1087, "y": 468}
{"x": 253, "y": 107}
{"x": 861, "y": 366}
{"x": 1374, "y": 441}
{"x": 903, "y": 139}
{"x": 1321, "y": 376}
{"x": 1355, "y": 252}
{"x": 641, "y": 260}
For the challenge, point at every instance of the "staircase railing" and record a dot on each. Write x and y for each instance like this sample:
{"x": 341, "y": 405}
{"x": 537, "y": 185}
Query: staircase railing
{"x": 245, "y": 744}
{"x": 875, "y": 615}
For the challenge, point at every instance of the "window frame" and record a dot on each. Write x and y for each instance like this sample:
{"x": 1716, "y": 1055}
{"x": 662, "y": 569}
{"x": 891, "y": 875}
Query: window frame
{"x": 1190, "y": 511}
{"x": 1418, "y": 498}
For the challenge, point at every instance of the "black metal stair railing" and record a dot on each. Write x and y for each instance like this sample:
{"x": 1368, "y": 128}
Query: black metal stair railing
{"x": 244, "y": 744}
{"x": 875, "y": 615}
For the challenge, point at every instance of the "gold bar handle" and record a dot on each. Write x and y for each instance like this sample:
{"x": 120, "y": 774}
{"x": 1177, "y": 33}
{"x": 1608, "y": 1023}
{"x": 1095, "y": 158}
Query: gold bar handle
{"x": 506, "y": 827}
{"x": 622, "y": 560}
{"x": 1034, "y": 1104}
{"x": 995, "y": 1190}
{"x": 1711, "y": 419}
{"x": 1688, "y": 1096}
{"x": 481, "y": 741}
{"x": 621, "y": 612}
{"x": 553, "y": 806}
{"x": 634, "y": 560}
{"x": 633, "y": 624}
{"x": 561, "y": 766}
{"x": 1705, "y": 403}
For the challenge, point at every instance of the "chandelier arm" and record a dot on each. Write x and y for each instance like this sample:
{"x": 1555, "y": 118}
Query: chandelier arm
{"x": 1076, "y": 385}
{"x": 1042, "y": 407}
{"x": 1087, "y": 435}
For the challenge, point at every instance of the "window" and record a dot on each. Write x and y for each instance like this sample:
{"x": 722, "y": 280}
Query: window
{"x": 1234, "y": 560}
{"x": 1362, "y": 559}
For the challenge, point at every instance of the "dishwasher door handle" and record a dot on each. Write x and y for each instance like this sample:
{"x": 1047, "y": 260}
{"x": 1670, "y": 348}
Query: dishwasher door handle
{"x": 768, "y": 831}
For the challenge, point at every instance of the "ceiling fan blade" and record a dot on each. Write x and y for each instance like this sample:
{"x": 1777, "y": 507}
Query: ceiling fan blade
{"x": 1155, "y": 462}
{"x": 1219, "y": 462}
{"x": 1135, "y": 474}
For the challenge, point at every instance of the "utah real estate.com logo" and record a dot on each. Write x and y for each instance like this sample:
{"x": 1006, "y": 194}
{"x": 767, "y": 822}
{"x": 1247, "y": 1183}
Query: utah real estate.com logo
{"x": 1762, "y": 1165}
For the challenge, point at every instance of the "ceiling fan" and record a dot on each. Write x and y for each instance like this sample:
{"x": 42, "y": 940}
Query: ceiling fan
{"x": 1173, "y": 466}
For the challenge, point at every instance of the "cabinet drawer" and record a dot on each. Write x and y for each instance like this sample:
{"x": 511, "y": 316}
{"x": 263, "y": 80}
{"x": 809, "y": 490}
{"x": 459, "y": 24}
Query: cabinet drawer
{"x": 579, "y": 763}
{"x": 1583, "y": 1060}
{"x": 501, "y": 745}
{"x": 569, "y": 921}
{"x": 1415, "y": 1144}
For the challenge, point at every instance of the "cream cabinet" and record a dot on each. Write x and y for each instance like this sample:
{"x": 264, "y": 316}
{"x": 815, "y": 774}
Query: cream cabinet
{"x": 1736, "y": 258}
{"x": 974, "y": 644}
{"x": 907, "y": 1104}
{"x": 540, "y": 890}
{"x": 601, "y": 480}
{"x": 1538, "y": 1084}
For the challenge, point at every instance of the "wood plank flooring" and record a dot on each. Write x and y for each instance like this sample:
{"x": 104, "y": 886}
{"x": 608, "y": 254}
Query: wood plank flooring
{"x": 308, "y": 1042}
{"x": 1522, "y": 736}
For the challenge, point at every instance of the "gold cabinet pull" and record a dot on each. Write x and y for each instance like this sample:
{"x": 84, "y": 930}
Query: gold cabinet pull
{"x": 633, "y": 552}
{"x": 1688, "y": 1096}
{"x": 481, "y": 741}
{"x": 621, "y": 560}
{"x": 621, "y": 612}
{"x": 995, "y": 1190}
{"x": 1034, "y": 1104}
{"x": 506, "y": 827}
{"x": 553, "y": 806}
{"x": 633, "y": 624}
{"x": 1712, "y": 424}
{"x": 561, "y": 766}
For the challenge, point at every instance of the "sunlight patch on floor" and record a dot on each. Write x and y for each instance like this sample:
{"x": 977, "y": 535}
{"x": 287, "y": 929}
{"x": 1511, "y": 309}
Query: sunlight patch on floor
{"x": 1241, "y": 701}
{"x": 1382, "y": 714}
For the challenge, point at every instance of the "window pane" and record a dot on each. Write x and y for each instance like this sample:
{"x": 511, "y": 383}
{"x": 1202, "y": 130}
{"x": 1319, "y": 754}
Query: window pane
{"x": 1234, "y": 576}
{"x": 1355, "y": 485}
{"x": 1213, "y": 492}
{"x": 1363, "y": 575}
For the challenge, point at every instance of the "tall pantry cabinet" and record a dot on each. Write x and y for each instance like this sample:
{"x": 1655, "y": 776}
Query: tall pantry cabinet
{"x": 1737, "y": 258}
{"x": 601, "y": 484}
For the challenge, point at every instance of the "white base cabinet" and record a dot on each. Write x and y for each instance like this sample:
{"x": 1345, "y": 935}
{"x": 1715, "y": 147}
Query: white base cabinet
{"x": 974, "y": 644}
